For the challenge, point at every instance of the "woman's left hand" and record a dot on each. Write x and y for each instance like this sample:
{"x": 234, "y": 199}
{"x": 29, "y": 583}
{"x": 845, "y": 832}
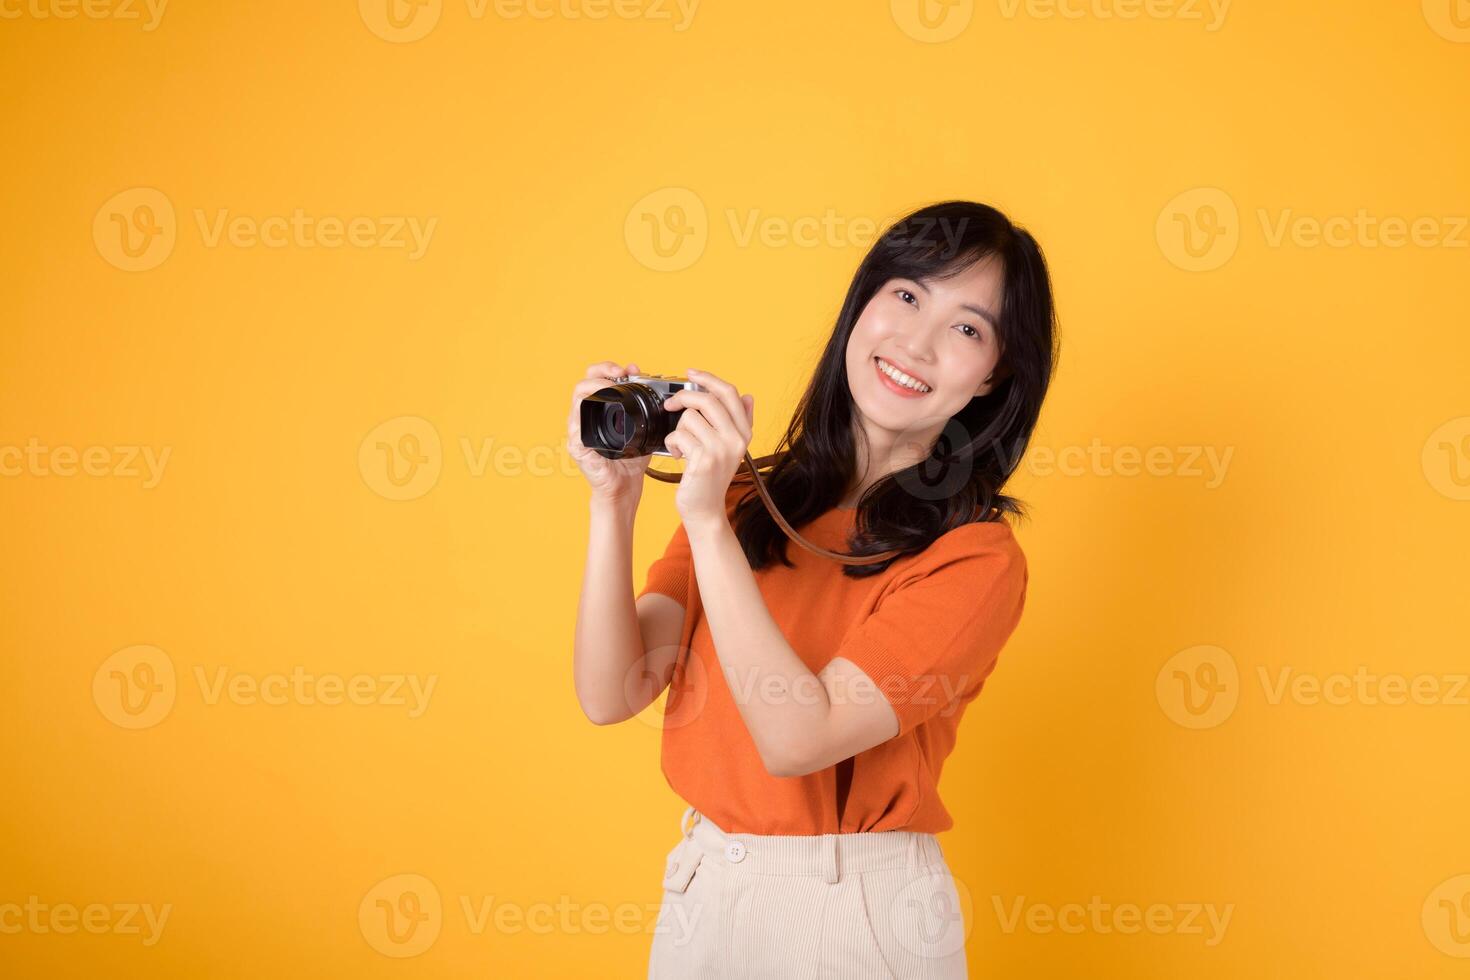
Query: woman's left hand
{"x": 712, "y": 436}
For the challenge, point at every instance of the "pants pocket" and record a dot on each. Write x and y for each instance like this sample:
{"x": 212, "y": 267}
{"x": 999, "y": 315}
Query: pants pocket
{"x": 685, "y": 933}
{"x": 917, "y": 921}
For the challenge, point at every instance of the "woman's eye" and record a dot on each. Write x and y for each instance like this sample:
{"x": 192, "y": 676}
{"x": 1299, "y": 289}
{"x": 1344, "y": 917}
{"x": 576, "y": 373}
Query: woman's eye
{"x": 972, "y": 331}
{"x": 907, "y": 296}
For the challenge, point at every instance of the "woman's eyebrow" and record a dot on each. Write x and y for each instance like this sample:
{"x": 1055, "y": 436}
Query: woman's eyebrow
{"x": 984, "y": 314}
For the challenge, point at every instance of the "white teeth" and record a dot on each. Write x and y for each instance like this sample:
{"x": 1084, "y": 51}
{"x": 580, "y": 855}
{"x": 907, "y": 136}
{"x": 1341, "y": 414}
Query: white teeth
{"x": 900, "y": 377}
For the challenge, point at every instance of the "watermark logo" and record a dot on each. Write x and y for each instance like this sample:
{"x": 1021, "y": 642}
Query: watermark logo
{"x": 138, "y": 686}
{"x": 1205, "y": 919}
{"x": 135, "y": 687}
{"x": 400, "y": 21}
{"x": 136, "y": 229}
{"x": 401, "y": 916}
{"x": 928, "y": 914}
{"x": 1446, "y": 916}
{"x": 1450, "y": 19}
{"x": 37, "y": 460}
{"x": 668, "y": 229}
{"x": 401, "y": 459}
{"x": 685, "y": 694}
{"x": 1178, "y": 10}
{"x": 1363, "y": 687}
{"x": 144, "y": 920}
{"x": 1446, "y": 458}
{"x": 1198, "y": 687}
{"x": 932, "y": 21}
{"x": 148, "y": 12}
{"x": 1199, "y": 229}
{"x": 1208, "y": 464}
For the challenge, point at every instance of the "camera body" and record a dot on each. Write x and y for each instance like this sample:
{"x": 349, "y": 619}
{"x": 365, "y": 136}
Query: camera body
{"x": 627, "y": 419}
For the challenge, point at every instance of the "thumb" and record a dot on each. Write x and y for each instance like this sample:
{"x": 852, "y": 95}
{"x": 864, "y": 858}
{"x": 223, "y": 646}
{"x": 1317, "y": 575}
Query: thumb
{"x": 749, "y": 401}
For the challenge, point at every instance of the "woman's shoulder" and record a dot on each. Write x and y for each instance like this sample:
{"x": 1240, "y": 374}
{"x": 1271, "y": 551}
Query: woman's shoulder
{"x": 992, "y": 541}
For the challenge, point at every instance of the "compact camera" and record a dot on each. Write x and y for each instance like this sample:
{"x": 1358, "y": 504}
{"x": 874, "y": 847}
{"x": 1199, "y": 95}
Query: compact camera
{"x": 627, "y": 419}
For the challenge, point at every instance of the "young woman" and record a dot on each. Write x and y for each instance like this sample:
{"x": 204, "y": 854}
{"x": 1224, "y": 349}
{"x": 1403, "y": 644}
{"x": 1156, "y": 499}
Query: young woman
{"x": 812, "y": 703}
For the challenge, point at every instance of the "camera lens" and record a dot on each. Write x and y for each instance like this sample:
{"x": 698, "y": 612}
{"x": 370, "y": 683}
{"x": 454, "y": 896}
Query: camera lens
{"x": 625, "y": 420}
{"x": 615, "y": 425}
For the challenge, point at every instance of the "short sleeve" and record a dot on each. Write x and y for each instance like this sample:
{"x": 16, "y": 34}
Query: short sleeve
{"x": 671, "y": 573}
{"x": 937, "y": 634}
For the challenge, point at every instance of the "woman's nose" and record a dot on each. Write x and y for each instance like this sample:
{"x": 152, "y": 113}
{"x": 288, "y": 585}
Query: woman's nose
{"x": 917, "y": 343}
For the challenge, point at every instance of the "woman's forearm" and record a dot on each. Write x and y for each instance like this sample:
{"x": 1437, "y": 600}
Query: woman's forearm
{"x": 608, "y": 642}
{"x": 784, "y": 705}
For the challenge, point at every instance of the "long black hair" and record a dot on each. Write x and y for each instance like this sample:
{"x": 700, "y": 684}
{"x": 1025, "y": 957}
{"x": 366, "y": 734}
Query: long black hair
{"x": 981, "y": 445}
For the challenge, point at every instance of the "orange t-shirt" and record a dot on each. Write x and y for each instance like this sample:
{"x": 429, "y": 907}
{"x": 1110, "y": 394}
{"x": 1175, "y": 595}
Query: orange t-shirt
{"x": 927, "y": 630}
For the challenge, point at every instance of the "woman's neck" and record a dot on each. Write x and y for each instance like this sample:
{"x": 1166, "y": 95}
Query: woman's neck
{"x": 881, "y": 453}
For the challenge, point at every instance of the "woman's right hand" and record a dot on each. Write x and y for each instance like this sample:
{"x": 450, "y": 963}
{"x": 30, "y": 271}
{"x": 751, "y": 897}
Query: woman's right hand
{"x": 611, "y": 479}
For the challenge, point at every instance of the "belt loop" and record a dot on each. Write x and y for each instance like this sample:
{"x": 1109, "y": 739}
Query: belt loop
{"x": 829, "y": 858}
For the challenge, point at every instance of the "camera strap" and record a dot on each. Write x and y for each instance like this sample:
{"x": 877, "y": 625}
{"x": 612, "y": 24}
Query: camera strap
{"x": 753, "y": 466}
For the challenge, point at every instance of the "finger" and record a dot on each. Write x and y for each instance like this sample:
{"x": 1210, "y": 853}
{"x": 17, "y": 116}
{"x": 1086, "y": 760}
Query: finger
{"x": 580, "y": 391}
{"x": 696, "y": 438}
{"x": 727, "y": 395}
{"x": 685, "y": 445}
{"x": 605, "y": 369}
{"x": 712, "y": 408}
{"x": 749, "y": 401}
{"x": 588, "y": 385}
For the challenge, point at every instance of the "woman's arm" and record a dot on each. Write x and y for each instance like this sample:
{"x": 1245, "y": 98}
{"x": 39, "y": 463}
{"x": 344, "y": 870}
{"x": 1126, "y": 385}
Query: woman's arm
{"x": 801, "y": 722}
{"x": 614, "y": 677}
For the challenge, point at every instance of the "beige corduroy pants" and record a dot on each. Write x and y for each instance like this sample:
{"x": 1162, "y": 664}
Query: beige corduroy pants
{"x": 827, "y": 907}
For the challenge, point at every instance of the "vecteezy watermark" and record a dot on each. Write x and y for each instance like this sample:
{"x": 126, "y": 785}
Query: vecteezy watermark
{"x": 936, "y": 21}
{"x": 402, "y": 458}
{"x": 1200, "y": 229}
{"x": 1209, "y": 463}
{"x": 137, "y": 229}
{"x": 930, "y": 912}
{"x": 1450, "y": 19}
{"x": 1446, "y": 916}
{"x": 148, "y": 13}
{"x": 1200, "y": 687}
{"x": 406, "y": 21}
{"x": 668, "y": 229}
{"x": 1204, "y": 919}
{"x": 1364, "y": 687}
{"x": 683, "y": 675}
{"x": 1446, "y": 458}
{"x": 1210, "y": 13}
{"x": 38, "y": 918}
{"x": 404, "y": 914}
{"x": 401, "y": 916}
{"x": 932, "y": 21}
{"x": 36, "y": 459}
{"x": 137, "y": 687}
{"x": 759, "y": 686}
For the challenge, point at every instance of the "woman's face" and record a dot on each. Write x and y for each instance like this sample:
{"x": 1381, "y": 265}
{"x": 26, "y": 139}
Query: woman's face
{"x": 940, "y": 333}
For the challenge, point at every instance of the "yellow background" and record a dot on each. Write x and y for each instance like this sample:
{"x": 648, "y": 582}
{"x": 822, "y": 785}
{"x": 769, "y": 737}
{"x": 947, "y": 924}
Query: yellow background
{"x": 1336, "y": 539}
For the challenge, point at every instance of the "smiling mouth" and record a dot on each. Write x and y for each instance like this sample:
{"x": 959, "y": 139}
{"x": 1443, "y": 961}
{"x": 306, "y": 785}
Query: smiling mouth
{"x": 898, "y": 381}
